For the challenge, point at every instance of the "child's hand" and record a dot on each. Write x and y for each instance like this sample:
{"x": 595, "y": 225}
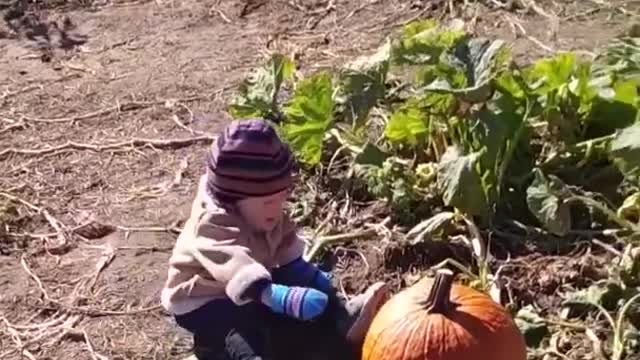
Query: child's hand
{"x": 298, "y": 302}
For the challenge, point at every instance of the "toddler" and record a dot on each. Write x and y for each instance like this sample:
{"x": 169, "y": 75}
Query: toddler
{"x": 237, "y": 280}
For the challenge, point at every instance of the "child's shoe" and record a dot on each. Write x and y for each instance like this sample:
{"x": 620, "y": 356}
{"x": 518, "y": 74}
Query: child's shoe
{"x": 356, "y": 315}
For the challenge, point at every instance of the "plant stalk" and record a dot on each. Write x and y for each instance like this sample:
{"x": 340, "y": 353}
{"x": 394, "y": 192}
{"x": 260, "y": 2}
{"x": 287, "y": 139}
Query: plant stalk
{"x": 618, "y": 334}
{"x": 506, "y": 160}
{"x": 457, "y": 265}
{"x": 606, "y": 211}
{"x": 325, "y": 241}
{"x": 580, "y": 147}
{"x": 438, "y": 300}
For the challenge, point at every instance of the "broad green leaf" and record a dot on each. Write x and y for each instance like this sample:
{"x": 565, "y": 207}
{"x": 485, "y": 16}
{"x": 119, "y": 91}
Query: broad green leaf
{"x": 306, "y": 140}
{"x": 371, "y": 155}
{"x": 408, "y": 125}
{"x": 508, "y": 84}
{"x": 625, "y": 150}
{"x": 478, "y": 61}
{"x": 312, "y": 101}
{"x": 258, "y": 92}
{"x": 363, "y": 85}
{"x": 602, "y": 86}
{"x": 310, "y": 113}
{"x": 532, "y": 326}
{"x": 545, "y": 201}
{"x": 460, "y": 184}
{"x": 617, "y": 112}
{"x": 585, "y": 89}
{"x": 442, "y": 73}
{"x": 626, "y": 92}
{"x": 552, "y": 73}
{"x": 422, "y": 42}
{"x": 494, "y": 128}
{"x": 499, "y": 129}
{"x": 622, "y": 58}
{"x": 436, "y": 104}
{"x": 606, "y": 294}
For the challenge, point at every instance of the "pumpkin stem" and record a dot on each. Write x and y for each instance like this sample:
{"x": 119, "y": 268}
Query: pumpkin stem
{"x": 438, "y": 299}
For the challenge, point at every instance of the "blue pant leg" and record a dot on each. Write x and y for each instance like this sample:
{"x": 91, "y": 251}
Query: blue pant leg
{"x": 224, "y": 330}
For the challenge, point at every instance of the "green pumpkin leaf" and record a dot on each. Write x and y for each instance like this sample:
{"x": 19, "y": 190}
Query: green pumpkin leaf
{"x": 606, "y": 294}
{"x": 625, "y": 151}
{"x": 460, "y": 184}
{"x": 587, "y": 89}
{"x": 616, "y": 112}
{"x": 363, "y": 85}
{"x": 371, "y": 155}
{"x": 408, "y": 125}
{"x": 310, "y": 113}
{"x": 258, "y": 92}
{"x": 532, "y": 326}
{"x": 435, "y": 104}
{"x": 477, "y": 61}
{"x": 422, "y": 42}
{"x": 545, "y": 200}
{"x": 622, "y": 57}
{"x": 508, "y": 84}
{"x": 494, "y": 128}
{"x": 553, "y": 73}
{"x": 626, "y": 92}
{"x": 306, "y": 140}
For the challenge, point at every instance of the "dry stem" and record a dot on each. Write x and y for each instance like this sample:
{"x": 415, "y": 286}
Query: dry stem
{"x": 519, "y": 26}
{"x": 7, "y": 94}
{"x": 133, "y": 143}
{"x": 360, "y": 8}
{"x": 9, "y": 128}
{"x": 63, "y": 322}
{"x": 324, "y": 241}
{"x": 160, "y": 190}
{"x": 120, "y": 107}
{"x": 62, "y": 233}
{"x": 221, "y": 13}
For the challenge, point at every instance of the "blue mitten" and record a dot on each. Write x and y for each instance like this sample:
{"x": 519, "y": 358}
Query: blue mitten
{"x": 298, "y": 302}
{"x": 302, "y": 273}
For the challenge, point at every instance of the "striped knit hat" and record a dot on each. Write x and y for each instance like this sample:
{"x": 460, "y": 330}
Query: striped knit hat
{"x": 248, "y": 159}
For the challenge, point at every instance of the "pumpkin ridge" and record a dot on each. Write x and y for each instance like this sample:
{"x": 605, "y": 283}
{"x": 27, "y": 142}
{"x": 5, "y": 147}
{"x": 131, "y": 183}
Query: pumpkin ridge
{"x": 409, "y": 338}
{"x": 408, "y": 322}
{"x": 414, "y": 313}
{"x": 382, "y": 332}
{"x": 441, "y": 320}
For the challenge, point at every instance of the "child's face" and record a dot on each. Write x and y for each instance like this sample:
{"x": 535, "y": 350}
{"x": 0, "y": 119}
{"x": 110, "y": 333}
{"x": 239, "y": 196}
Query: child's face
{"x": 264, "y": 212}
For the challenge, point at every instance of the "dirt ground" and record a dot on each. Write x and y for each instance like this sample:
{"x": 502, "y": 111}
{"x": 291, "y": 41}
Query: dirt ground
{"x": 104, "y": 121}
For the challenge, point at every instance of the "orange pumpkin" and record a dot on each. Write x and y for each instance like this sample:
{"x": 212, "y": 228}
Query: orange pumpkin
{"x": 440, "y": 320}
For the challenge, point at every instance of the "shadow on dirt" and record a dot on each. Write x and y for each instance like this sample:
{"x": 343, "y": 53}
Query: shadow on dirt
{"x": 24, "y": 20}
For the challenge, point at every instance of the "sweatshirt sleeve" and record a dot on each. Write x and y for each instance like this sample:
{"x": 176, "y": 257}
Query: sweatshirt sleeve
{"x": 216, "y": 248}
